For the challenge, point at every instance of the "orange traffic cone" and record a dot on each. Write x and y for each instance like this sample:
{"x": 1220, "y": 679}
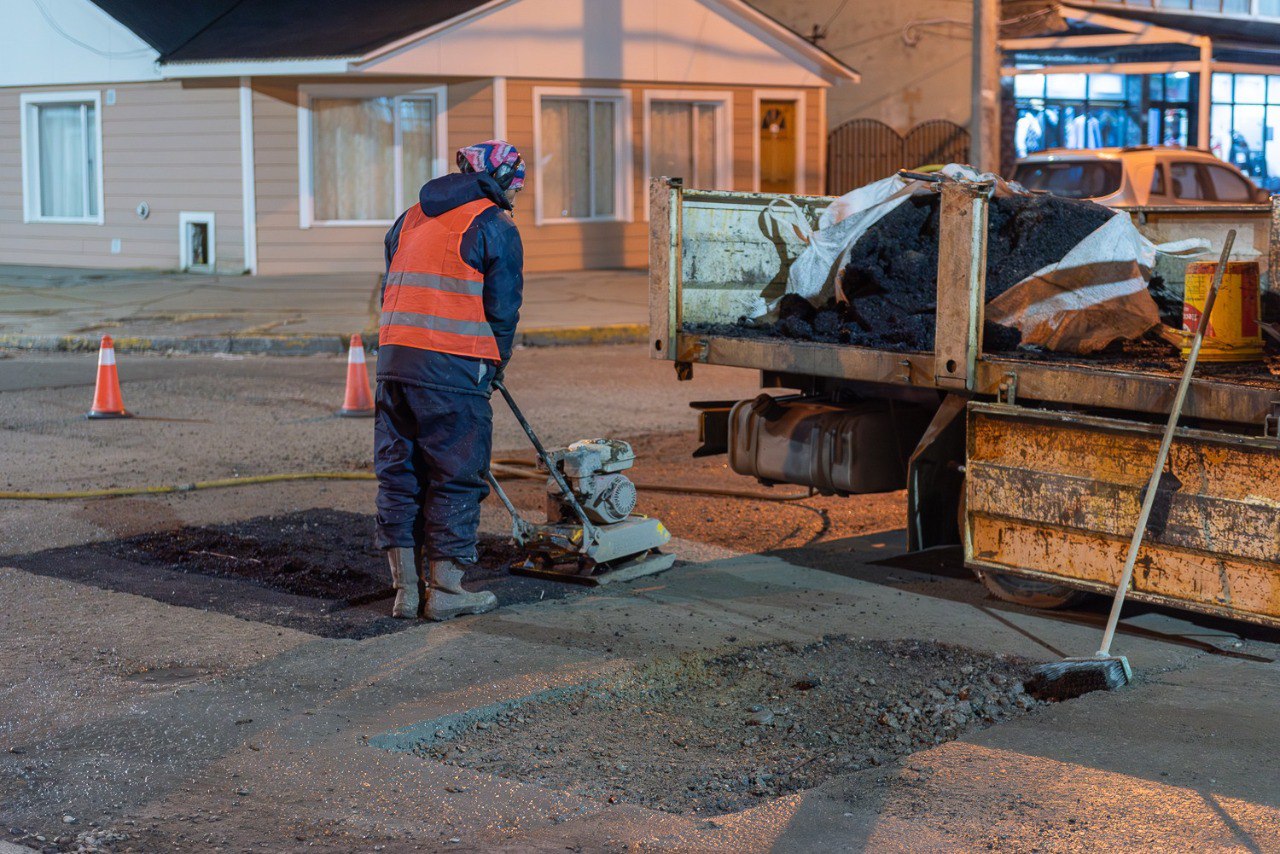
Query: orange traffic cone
{"x": 107, "y": 402}
{"x": 359, "y": 400}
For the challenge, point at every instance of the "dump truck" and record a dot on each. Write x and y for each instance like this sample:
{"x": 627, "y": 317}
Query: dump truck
{"x": 1035, "y": 465}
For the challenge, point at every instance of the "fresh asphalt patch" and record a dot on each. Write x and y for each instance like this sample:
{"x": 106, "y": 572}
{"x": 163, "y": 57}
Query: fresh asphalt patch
{"x": 316, "y": 571}
{"x": 712, "y": 733}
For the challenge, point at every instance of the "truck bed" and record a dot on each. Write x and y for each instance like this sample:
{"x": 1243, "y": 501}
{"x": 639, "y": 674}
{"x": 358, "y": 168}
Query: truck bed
{"x": 724, "y": 251}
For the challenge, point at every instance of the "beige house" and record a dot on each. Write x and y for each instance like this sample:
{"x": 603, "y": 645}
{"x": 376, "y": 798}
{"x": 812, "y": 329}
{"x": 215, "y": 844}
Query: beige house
{"x": 284, "y": 136}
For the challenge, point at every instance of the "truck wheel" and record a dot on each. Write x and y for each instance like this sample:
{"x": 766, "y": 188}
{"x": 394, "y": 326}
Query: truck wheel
{"x": 1014, "y": 588}
{"x": 1031, "y": 592}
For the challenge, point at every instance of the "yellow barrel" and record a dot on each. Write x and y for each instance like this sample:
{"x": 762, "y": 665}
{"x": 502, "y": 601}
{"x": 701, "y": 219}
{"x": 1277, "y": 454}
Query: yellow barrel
{"x": 1233, "y": 334}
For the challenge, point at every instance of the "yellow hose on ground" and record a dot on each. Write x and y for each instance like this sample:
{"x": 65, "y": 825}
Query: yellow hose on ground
{"x": 511, "y": 468}
{"x": 224, "y": 483}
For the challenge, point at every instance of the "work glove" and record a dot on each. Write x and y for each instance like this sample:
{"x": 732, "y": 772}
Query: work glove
{"x": 500, "y": 372}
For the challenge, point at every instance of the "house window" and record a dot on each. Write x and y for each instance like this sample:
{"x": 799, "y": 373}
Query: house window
{"x": 582, "y": 157}
{"x": 684, "y": 142}
{"x": 62, "y": 163}
{"x": 366, "y": 157}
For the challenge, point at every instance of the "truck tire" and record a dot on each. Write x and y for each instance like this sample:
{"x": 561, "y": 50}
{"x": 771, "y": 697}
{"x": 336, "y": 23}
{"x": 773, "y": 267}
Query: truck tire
{"x": 1027, "y": 592}
{"x": 1031, "y": 592}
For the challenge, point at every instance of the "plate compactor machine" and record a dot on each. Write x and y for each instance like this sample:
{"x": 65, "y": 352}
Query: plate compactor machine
{"x": 592, "y": 535}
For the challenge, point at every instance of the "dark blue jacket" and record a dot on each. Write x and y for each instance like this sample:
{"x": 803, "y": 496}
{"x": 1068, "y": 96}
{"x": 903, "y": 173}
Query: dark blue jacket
{"x": 492, "y": 246}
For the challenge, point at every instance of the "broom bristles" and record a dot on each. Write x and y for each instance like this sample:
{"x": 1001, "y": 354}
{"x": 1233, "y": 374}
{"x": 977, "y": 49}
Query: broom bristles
{"x": 1074, "y": 677}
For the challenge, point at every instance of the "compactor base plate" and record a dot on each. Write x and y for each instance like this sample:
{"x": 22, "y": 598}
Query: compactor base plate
{"x": 581, "y": 571}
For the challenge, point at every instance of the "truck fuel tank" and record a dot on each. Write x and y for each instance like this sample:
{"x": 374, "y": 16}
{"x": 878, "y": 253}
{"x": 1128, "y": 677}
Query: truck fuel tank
{"x": 836, "y": 449}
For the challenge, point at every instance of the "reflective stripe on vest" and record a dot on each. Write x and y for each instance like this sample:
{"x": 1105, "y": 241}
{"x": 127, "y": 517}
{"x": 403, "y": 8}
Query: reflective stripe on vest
{"x": 434, "y": 299}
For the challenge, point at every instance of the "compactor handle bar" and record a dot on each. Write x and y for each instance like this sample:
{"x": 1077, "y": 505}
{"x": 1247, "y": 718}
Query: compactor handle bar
{"x": 588, "y": 530}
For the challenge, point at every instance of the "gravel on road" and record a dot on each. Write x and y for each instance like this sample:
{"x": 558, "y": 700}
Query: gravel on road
{"x": 708, "y": 734}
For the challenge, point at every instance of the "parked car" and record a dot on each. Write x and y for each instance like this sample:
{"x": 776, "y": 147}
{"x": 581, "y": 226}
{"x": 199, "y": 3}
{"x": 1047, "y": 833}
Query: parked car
{"x": 1138, "y": 176}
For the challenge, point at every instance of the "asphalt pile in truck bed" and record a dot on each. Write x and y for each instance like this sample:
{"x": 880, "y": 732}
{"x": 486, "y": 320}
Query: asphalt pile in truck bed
{"x": 890, "y": 278}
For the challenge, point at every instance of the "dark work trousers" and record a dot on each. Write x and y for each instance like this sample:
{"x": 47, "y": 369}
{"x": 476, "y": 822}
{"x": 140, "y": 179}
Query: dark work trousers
{"x": 431, "y": 449}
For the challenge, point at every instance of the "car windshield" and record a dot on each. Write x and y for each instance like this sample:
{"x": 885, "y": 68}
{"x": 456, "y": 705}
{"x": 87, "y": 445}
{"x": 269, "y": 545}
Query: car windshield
{"x": 1073, "y": 179}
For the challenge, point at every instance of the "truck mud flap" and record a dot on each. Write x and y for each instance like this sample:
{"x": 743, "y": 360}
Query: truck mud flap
{"x": 1055, "y": 496}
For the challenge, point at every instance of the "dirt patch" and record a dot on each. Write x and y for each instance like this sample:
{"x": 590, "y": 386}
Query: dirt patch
{"x": 890, "y": 278}
{"x": 315, "y": 570}
{"x": 711, "y": 734}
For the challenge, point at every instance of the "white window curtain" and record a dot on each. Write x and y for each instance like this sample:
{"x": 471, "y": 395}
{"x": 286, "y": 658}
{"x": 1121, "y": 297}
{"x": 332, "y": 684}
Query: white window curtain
{"x": 370, "y": 156}
{"x": 417, "y": 146}
{"x": 579, "y": 158}
{"x": 683, "y": 142}
{"x": 66, "y": 167}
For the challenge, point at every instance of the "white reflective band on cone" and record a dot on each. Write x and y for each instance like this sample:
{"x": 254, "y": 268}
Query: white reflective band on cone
{"x": 355, "y": 355}
{"x": 106, "y": 356}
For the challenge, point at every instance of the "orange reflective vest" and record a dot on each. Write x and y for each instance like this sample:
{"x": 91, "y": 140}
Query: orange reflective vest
{"x": 433, "y": 299}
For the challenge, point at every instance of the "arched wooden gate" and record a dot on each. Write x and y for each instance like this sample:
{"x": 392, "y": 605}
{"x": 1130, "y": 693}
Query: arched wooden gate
{"x": 865, "y": 150}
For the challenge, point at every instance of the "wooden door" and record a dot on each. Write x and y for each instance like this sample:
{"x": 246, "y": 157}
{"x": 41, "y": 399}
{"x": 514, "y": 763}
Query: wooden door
{"x": 779, "y": 137}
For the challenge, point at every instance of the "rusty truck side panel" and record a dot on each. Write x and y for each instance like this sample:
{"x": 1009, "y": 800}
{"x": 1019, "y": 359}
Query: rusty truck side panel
{"x": 1055, "y": 496}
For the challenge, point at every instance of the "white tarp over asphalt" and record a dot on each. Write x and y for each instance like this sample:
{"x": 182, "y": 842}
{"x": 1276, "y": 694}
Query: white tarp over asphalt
{"x": 1095, "y": 295}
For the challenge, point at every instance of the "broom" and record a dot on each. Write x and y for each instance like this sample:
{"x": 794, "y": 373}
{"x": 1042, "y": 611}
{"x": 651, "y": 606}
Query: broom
{"x": 1072, "y": 677}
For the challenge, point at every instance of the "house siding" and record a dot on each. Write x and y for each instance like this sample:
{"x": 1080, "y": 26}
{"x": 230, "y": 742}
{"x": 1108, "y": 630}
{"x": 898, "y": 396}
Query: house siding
{"x": 172, "y": 145}
{"x": 284, "y": 247}
{"x": 573, "y": 246}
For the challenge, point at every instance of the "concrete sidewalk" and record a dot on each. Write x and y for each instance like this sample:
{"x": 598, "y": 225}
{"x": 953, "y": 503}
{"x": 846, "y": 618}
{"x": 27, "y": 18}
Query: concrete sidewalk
{"x": 52, "y": 308}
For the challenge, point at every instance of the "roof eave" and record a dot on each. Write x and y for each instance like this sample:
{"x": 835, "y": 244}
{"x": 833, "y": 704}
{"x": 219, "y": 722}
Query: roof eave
{"x": 826, "y": 65}
{"x": 271, "y": 67}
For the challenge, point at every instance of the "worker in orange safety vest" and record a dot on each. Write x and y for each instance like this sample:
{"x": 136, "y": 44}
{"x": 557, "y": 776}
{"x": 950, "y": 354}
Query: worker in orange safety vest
{"x": 450, "y": 303}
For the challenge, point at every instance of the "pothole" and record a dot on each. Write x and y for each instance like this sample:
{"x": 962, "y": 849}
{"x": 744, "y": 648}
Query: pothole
{"x": 713, "y": 734}
{"x": 317, "y": 571}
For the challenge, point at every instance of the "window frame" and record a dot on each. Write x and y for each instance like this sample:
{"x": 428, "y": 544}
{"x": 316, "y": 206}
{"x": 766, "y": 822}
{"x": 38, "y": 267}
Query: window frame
{"x": 722, "y": 99}
{"x": 306, "y": 190}
{"x": 623, "y": 153}
{"x": 28, "y": 103}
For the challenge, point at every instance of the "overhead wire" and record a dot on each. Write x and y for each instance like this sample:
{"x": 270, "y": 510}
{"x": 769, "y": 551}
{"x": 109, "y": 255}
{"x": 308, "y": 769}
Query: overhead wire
{"x": 108, "y": 54}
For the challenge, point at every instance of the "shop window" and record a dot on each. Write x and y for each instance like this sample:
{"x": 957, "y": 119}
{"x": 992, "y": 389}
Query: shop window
{"x": 1028, "y": 86}
{"x": 1243, "y": 128}
{"x": 1251, "y": 89}
{"x": 1221, "y": 88}
{"x": 1177, "y": 87}
{"x": 1065, "y": 86}
{"x": 1106, "y": 86}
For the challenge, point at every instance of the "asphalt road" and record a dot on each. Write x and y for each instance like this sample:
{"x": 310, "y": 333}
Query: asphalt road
{"x": 184, "y": 728}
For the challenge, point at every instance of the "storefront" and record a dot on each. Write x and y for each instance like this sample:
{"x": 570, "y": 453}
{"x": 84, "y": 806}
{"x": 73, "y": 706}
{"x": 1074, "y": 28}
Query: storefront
{"x": 1243, "y": 121}
{"x": 1149, "y": 84}
{"x": 1109, "y": 110}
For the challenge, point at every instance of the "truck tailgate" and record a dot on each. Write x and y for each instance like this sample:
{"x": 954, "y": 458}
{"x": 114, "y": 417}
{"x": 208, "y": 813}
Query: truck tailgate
{"x": 1055, "y": 496}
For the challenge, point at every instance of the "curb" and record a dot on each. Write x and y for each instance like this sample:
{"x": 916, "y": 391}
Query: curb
{"x": 616, "y": 333}
{"x": 304, "y": 345}
{"x": 291, "y": 345}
